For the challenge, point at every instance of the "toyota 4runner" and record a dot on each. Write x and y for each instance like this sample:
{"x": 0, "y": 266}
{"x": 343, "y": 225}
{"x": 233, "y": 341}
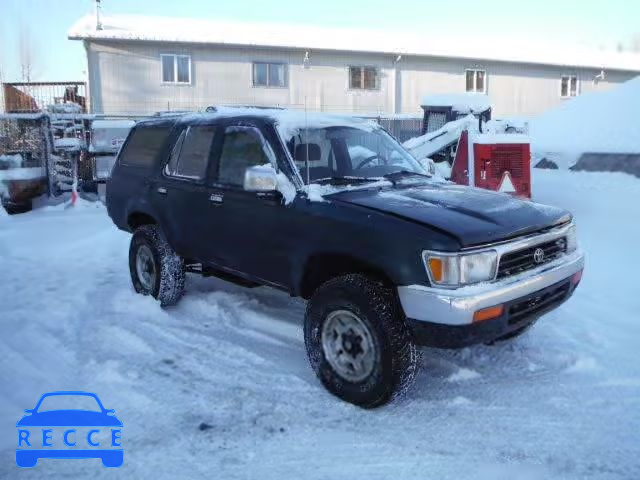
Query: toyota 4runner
{"x": 334, "y": 210}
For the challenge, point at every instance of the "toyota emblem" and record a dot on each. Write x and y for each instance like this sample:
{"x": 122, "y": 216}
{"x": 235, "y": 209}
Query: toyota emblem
{"x": 538, "y": 255}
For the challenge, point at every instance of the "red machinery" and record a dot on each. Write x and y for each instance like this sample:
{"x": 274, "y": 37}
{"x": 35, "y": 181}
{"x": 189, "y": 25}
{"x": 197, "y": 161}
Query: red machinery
{"x": 471, "y": 149}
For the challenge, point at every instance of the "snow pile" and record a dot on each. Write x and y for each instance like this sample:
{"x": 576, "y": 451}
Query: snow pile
{"x": 67, "y": 107}
{"x": 27, "y": 173}
{"x": 598, "y": 122}
{"x": 68, "y": 143}
{"x": 11, "y": 161}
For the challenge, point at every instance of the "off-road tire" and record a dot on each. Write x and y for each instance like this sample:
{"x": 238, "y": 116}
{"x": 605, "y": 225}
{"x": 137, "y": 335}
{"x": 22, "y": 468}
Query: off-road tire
{"x": 377, "y": 306}
{"x": 169, "y": 282}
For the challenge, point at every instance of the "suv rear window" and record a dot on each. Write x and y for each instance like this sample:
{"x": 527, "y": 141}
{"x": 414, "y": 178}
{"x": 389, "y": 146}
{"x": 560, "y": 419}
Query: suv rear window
{"x": 144, "y": 146}
{"x": 190, "y": 155}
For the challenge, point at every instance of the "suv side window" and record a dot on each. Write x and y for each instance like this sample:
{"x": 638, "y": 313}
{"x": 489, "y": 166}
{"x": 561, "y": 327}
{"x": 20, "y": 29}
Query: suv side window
{"x": 243, "y": 147}
{"x": 190, "y": 155}
{"x": 143, "y": 146}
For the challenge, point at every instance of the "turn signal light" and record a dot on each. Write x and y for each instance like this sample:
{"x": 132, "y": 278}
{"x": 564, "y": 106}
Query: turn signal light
{"x": 488, "y": 313}
{"x": 436, "y": 267}
{"x": 575, "y": 279}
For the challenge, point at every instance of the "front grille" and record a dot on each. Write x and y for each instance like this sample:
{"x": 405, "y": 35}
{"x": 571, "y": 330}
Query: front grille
{"x": 539, "y": 302}
{"x": 507, "y": 158}
{"x": 522, "y": 260}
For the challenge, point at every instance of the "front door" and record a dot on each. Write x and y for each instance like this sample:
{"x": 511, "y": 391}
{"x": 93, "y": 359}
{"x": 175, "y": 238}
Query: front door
{"x": 249, "y": 237}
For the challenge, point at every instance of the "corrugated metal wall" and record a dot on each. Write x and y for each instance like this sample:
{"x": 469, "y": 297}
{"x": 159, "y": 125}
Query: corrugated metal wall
{"x": 125, "y": 78}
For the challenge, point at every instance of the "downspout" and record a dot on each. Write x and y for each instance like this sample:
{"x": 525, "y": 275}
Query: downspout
{"x": 88, "y": 100}
{"x": 397, "y": 87}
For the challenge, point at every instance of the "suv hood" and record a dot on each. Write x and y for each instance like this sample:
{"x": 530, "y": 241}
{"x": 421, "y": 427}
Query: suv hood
{"x": 473, "y": 216}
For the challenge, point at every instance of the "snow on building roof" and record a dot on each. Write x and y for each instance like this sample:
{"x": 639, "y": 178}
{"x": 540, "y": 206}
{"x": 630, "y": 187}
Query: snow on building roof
{"x": 163, "y": 29}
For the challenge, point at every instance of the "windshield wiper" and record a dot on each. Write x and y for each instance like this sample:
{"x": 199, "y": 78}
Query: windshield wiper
{"x": 395, "y": 176}
{"x": 345, "y": 180}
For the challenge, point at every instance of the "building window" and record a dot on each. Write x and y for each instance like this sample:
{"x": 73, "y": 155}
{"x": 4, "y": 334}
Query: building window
{"x": 476, "y": 81}
{"x": 568, "y": 86}
{"x": 176, "y": 68}
{"x": 364, "y": 78}
{"x": 269, "y": 74}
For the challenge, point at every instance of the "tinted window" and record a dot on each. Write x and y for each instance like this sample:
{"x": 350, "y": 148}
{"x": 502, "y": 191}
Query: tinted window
{"x": 190, "y": 154}
{"x": 170, "y": 169}
{"x": 143, "y": 146}
{"x": 243, "y": 147}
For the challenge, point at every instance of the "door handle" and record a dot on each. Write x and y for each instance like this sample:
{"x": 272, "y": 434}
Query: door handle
{"x": 216, "y": 198}
{"x": 162, "y": 190}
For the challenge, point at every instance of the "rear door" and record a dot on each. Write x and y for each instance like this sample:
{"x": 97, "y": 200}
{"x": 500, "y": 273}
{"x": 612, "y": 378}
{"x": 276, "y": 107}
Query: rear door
{"x": 183, "y": 196}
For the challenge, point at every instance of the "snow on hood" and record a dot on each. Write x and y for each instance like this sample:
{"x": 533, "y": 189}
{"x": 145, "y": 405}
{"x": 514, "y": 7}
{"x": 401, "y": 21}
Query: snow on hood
{"x": 597, "y": 122}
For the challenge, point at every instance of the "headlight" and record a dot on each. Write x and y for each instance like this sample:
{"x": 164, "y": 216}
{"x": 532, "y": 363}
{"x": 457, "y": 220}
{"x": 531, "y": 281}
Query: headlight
{"x": 454, "y": 270}
{"x": 572, "y": 239}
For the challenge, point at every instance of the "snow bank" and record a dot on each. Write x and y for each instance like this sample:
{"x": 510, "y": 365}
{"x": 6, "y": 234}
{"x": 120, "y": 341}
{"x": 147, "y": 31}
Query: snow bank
{"x": 599, "y": 122}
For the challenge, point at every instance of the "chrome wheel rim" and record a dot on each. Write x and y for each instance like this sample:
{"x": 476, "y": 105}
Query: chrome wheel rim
{"x": 348, "y": 345}
{"x": 146, "y": 268}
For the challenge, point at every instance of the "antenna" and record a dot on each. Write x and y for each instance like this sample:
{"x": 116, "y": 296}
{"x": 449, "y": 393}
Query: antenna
{"x": 306, "y": 140}
{"x": 98, "y": 21}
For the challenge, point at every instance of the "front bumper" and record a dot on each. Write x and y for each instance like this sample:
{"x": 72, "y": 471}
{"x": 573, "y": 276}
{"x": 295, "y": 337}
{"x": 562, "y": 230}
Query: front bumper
{"x": 444, "y": 318}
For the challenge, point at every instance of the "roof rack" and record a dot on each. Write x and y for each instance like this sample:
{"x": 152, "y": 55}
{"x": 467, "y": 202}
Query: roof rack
{"x": 214, "y": 108}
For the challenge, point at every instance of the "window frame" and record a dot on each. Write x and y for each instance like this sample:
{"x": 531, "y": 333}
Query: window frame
{"x": 210, "y": 159}
{"x": 175, "y": 69}
{"x": 569, "y": 76}
{"x": 377, "y": 79}
{"x": 285, "y": 65}
{"x": 475, "y": 80}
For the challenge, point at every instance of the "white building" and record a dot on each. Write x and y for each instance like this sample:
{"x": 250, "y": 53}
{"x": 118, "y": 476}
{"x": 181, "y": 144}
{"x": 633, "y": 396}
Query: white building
{"x": 139, "y": 65}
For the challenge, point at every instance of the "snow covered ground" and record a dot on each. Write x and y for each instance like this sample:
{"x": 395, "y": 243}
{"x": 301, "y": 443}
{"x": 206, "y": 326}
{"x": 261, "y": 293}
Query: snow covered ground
{"x": 219, "y": 385}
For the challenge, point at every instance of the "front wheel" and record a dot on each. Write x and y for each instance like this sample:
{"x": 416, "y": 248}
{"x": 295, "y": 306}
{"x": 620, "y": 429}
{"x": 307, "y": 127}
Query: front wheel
{"x": 156, "y": 269}
{"x": 358, "y": 342}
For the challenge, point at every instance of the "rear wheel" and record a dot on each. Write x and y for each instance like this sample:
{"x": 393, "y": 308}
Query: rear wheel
{"x": 358, "y": 342}
{"x": 155, "y": 267}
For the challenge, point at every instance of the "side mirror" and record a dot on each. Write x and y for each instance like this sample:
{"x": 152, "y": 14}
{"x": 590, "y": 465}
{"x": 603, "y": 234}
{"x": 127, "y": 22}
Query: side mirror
{"x": 29, "y": 410}
{"x": 261, "y": 178}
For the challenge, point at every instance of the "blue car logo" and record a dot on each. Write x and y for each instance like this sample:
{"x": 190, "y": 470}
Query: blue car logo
{"x": 69, "y": 432}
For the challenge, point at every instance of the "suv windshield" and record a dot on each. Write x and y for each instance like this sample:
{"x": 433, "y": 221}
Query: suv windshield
{"x": 346, "y": 155}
